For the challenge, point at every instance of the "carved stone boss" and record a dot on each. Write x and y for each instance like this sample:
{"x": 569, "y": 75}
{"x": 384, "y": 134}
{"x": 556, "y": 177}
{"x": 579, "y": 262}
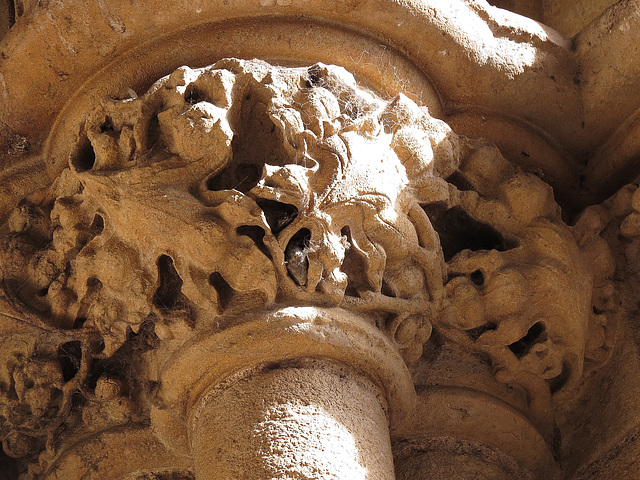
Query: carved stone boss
{"x": 243, "y": 266}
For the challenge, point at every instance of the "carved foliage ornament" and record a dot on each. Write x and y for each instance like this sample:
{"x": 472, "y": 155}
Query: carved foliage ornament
{"x": 244, "y": 185}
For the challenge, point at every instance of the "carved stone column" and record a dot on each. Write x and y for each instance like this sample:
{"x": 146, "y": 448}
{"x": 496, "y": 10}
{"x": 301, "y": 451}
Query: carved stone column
{"x": 311, "y": 419}
{"x": 299, "y": 257}
{"x": 299, "y": 391}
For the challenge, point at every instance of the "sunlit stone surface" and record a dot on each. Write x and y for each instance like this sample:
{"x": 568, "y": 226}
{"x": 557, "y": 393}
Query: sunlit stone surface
{"x": 319, "y": 240}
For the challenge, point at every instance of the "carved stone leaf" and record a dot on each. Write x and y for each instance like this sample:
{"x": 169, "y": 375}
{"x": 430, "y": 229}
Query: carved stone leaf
{"x": 146, "y": 203}
{"x": 145, "y": 213}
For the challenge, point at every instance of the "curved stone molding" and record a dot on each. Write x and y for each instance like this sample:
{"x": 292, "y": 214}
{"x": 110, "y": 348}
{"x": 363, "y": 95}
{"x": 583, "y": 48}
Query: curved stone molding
{"x": 467, "y": 27}
{"x": 476, "y": 59}
{"x": 470, "y": 426}
{"x": 298, "y": 332}
{"x": 157, "y": 463}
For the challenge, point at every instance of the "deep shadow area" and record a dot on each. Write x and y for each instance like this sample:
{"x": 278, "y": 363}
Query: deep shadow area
{"x": 458, "y": 231}
{"x": 8, "y": 467}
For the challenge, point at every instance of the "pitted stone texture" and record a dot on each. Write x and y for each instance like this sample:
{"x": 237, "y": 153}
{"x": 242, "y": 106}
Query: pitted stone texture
{"x": 449, "y": 466}
{"x": 314, "y": 421}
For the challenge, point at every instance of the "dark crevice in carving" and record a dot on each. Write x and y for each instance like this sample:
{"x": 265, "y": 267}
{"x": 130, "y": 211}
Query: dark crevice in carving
{"x": 79, "y": 322}
{"x": 84, "y": 158}
{"x": 8, "y": 465}
{"x": 113, "y": 366}
{"x": 256, "y": 234}
{"x": 556, "y": 443}
{"x": 144, "y": 340}
{"x": 296, "y": 257}
{"x": 107, "y": 125}
{"x": 537, "y": 333}
{"x": 256, "y": 142}
{"x": 98, "y": 346}
{"x": 153, "y": 132}
{"x": 18, "y": 9}
{"x": 223, "y": 289}
{"x": 475, "y": 333}
{"x": 98, "y": 225}
{"x": 169, "y": 291}
{"x": 477, "y": 277}
{"x": 271, "y": 366}
{"x": 55, "y": 402}
{"x": 458, "y": 180}
{"x": 433, "y": 348}
{"x": 248, "y": 176}
{"x": 559, "y": 381}
{"x": 13, "y": 16}
{"x": 95, "y": 229}
{"x": 386, "y": 289}
{"x": 123, "y": 366}
{"x": 458, "y": 231}
{"x": 279, "y": 215}
{"x": 385, "y": 320}
{"x": 194, "y": 95}
{"x": 354, "y": 266}
{"x": 238, "y": 176}
{"x": 70, "y": 358}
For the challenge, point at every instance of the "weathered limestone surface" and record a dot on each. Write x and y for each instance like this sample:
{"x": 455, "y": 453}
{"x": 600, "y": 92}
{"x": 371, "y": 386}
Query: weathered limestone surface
{"x": 319, "y": 240}
{"x": 310, "y": 421}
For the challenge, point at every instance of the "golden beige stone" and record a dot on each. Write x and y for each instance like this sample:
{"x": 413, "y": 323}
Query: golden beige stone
{"x": 265, "y": 239}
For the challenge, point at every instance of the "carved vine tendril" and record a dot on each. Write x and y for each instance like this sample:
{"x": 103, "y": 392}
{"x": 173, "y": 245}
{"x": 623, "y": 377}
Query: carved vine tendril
{"x": 242, "y": 185}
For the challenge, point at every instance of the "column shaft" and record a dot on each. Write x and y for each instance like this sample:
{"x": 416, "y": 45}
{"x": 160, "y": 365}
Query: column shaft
{"x": 310, "y": 420}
